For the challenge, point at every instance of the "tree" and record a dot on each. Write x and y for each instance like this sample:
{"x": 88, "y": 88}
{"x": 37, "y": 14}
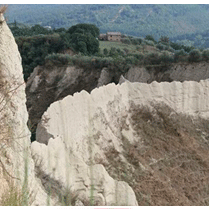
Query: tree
{"x": 150, "y": 38}
{"x": 164, "y": 39}
{"x": 84, "y": 28}
{"x": 205, "y": 55}
{"x": 194, "y": 55}
{"x": 83, "y": 38}
{"x": 105, "y": 51}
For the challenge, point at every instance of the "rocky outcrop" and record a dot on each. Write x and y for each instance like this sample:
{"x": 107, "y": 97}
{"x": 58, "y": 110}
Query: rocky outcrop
{"x": 128, "y": 132}
{"x": 176, "y": 72}
{"x": 47, "y": 85}
{"x": 16, "y": 163}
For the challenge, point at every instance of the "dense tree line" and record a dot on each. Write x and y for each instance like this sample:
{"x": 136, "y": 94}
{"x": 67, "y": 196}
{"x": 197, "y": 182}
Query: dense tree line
{"x": 37, "y": 42}
{"x": 34, "y": 49}
{"x": 22, "y": 30}
{"x": 39, "y": 46}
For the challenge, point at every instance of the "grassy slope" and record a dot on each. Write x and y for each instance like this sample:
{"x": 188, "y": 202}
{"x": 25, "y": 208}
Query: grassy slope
{"x": 108, "y": 45}
{"x": 131, "y": 48}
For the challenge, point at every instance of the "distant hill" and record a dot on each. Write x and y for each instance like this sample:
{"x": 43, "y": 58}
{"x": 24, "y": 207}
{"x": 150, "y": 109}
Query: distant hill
{"x": 136, "y": 20}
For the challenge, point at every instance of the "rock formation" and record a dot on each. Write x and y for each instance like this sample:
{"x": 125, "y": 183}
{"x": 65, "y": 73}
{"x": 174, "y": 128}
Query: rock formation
{"x": 129, "y": 132}
{"x": 16, "y": 163}
{"x": 47, "y": 85}
{"x": 175, "y": 72}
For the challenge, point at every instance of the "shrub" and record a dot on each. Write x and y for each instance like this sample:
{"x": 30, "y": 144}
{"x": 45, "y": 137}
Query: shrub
{"x": 139, "y": 40}
{"x": 170, "y": 49}
{"x": 92, "y": 62}
{"x": 132, "y": 60}
{"x": 126, "y": 50}
{"x": 118, "y": 51}
{"x": 150, "y": 43}
{"x": 134, "y": 41}
{"x": 194, "y": 55}
{"x": 164, "y": 39}
{"x": 105, "y": 51}
{"x": 152, "y": 59}
{"x": 138, "y": 47}
{"x": 167, "y": 47}
{"x": 176, "y": 46}
{"x": 113, "y": 52}
{"x": 107, "y": 61}
{"x": 139, "y": 56}
{"x": 57, "y": 59}
{"x": 205, "y": 55}
{"x": 180, "y": 55}
{"x": 126, "y": 41}
{"x": 150, "y": 38}
{"x": 160, "y": 46}
{"x": 166, "y": 57}
{"x": 119, "y": 64}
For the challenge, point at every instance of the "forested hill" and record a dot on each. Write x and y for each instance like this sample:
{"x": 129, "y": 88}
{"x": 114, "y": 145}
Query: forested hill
{"x": 136, "y": 20}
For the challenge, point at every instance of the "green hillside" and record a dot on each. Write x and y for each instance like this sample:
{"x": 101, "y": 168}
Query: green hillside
{"x": 136, "y": 20}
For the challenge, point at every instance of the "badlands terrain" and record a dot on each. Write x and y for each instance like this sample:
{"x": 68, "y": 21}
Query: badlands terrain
{"x": 141, "y": 142}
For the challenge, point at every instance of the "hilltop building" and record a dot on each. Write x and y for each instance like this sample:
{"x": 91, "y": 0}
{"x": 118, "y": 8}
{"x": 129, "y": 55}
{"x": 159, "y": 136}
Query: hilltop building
{"x": 110, "y": 36}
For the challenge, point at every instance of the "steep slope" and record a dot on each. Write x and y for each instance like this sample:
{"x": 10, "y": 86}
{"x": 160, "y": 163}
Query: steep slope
{"x": 176, "y": 72}
{"x": 16, "y": 164}
{"x": 152, "y": 136}
{"x": 47, "y": 85}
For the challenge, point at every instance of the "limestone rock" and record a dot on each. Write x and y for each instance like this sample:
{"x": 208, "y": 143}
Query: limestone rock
{"x": 49, "y": 84}
{"x": 46, "y": 85}
{"x": 84, "y": 130}
{"x": 16, "y": 161}
{"x": 63, "y": 166}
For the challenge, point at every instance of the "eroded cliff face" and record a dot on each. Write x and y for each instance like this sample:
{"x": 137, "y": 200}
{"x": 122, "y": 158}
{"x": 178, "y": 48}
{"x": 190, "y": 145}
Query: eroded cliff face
{"x": 128, "y": 144}
{"x": 47, "y": 85}
{"x": 175, "y": 72}
{"x": 16, "y": 164}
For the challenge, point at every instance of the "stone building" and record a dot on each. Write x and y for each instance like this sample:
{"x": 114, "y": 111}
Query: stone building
{"x": 110, "y": 36}
{"x": 113, "y": 36}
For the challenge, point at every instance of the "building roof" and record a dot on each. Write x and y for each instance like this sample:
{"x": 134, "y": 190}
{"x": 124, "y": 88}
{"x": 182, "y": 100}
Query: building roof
{"x": 114, "y": 33}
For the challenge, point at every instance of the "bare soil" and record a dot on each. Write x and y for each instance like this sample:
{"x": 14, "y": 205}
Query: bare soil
{"x": 169, "y": 165}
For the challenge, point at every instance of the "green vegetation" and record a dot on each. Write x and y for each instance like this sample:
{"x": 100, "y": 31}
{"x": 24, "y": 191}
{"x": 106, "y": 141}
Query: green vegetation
{"x": 83, "y": 38}
{"x": 205, "y": 54}
{"x": 43, "y": 46}
{"x": 194, "y": 55}
{"x": 118, "y": 45}
{"x": 34, "y": 49}
{"x": 138, "y": 20}
{"x": 22, "y": 30}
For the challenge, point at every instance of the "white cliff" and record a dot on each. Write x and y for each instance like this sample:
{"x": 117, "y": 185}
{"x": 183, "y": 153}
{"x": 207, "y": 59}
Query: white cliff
{"x": 16, "y": 162}
{"x": 76, "y": 134}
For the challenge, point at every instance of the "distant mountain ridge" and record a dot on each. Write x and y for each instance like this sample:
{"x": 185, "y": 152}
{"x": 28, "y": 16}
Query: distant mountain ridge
{"x": 136, "y": 20}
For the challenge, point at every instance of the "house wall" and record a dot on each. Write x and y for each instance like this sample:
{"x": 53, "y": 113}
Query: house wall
{"x": 113, "y": 38}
